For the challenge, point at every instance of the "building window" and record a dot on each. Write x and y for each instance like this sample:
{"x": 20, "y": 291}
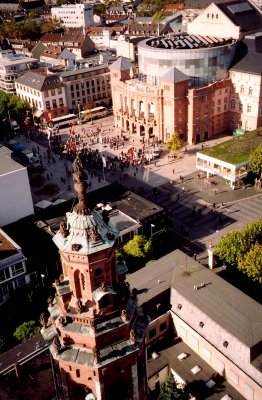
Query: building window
{"x": 250, "y": 91}
{"x": 249, "y": 392}
{"x": 233, "y": 105}
{"x": 163, "y": 326}
{"x": 207, "y": 354}
{"x": 248, "y": 108}
{"x": 59, "y": 91}
{"x": 152, "y": 333}
{"x": 54, "y": 104}
{"x": 78, "y": 373}
{"x": 233, "y": 377}
{"x": 242, "y": 89}
{"x": 220, "y": 366}
{"x": 194, "y": 342}
{"x": 46, "y": 93}
{"x": 53, "y": 92}
{"x": 17, "y": 269}
{"x": 240, "y": 107}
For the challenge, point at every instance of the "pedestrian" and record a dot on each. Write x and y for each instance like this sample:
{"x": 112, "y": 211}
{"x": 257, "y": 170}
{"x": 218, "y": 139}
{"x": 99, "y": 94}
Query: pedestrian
{"x": 195, "y": 257}
{"x": 177, "y": 197}
{"x": 214, "y": 205}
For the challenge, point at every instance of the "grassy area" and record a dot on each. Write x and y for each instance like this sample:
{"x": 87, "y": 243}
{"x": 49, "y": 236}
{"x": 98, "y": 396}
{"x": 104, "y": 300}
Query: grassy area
{"x": 236, "y": 150}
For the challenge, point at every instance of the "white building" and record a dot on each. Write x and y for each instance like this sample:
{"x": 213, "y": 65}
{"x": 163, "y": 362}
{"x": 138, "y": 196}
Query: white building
{"x": 74, "y": 15}
{"x": 12, "y": 267}
{"x": 45, "y": 93}
{"x": 11, "y": 66}
{"x": 15, "y": 199}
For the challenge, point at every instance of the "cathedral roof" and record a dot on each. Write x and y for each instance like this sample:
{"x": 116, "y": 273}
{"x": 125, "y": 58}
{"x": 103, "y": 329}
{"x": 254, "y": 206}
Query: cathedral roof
{"x": 174, "y": 76}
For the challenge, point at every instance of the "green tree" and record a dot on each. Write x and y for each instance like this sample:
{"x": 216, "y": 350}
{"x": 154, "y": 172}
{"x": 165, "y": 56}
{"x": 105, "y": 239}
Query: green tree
{"x": 157, "y": 18}
{"x": 51, "y": 25}
{"x": 251, "y": 263}
{"x": 99, "y": 9}
{"x": 174, "y": 144}
{"x": 255, "y": 161}
{"x": 26, "y": 330}
{"x": 138, "y": 247}
{"x": 170, "y": 391}
{"x": 230, "y": 247}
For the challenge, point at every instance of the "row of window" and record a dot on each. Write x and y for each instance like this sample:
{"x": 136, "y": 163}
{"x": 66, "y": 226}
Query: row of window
{"x": 54, "y": 103}
{"x": 12, "y": 271}
{"x": 233, "y": 106}
{"x": 220, "y": 365}
{"x": 34, "y": 92}
{"x": 243, "y": 90}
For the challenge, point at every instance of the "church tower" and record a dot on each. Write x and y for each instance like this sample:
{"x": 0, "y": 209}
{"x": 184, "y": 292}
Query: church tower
{"x": 96, "y": 330}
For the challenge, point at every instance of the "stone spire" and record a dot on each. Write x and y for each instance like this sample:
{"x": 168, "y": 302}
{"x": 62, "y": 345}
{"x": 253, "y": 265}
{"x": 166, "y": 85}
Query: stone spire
{"x": 80, "y": 186}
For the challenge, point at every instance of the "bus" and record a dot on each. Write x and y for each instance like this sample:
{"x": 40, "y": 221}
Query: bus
{"x": 93, "y": 113}
{"x": 65, "y": 120}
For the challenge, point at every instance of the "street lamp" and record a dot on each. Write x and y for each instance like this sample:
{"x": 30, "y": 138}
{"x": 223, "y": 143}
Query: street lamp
{"x": 151, "y": 229}
{"x": 43, "y": 283}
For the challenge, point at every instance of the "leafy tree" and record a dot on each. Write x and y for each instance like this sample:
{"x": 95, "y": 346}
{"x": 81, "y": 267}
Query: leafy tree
{"x": 33, "y": 14}
{"x": 138, "y": 247}
{"x": 174, "y": 144}
{"x": 157, "y": 18}
{"x": 255, "y": 161}
{"x": 230, "y": 247}
{"x": 251, "y": 263}
{"x": 26, "y": 330}
{"x": 242, "y": 249}
{"x": 170, "y": 391}
{"x": 51, "y": 25}
{"x": 99, "y": 9}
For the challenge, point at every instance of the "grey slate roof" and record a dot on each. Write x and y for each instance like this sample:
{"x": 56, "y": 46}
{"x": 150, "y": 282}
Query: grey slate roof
{"x": 122, "y": 64}
{"x": 252, "y": 60}
{"x": 174, "y": 76}
{"x": 241, "y": 316}
{"x": 40, "y": 82}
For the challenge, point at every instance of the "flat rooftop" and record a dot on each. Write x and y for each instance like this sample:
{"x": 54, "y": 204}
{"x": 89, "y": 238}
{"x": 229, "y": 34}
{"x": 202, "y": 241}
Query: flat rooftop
{"x": 185, "y": 41}
{"x": 7, "y": 164}
{"x": 236, "y": 150}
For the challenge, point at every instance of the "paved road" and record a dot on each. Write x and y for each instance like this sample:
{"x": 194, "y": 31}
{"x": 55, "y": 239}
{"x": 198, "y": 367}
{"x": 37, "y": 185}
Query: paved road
{"x": 199, "y": 227}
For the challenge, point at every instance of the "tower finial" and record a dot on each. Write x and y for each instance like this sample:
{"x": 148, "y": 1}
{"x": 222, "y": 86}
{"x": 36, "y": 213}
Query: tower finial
{"x": 80, "y": 186}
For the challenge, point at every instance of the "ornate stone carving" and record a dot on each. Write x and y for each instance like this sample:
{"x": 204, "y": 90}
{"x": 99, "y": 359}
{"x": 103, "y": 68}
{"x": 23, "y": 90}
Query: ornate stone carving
{"x": 79, "y": 306}
{"x": 124, "y": 315}
{"x": 76, "y": 247}
{"x": 56, "y": 345}
{"x": 94, "y": 235}
{"x": 43, "y": 320}
{"x": 62, "y": 320}
{"x": 50, "y": 301}
{"x": 104, "y": 286}
{"x": 63, "y": 230}
{"x": 133, "y": 337}
{"x": 80, "y": 186}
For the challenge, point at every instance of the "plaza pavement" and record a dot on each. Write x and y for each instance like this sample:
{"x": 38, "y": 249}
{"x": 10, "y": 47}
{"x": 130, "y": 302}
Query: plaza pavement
{"x": 189, "y": 202}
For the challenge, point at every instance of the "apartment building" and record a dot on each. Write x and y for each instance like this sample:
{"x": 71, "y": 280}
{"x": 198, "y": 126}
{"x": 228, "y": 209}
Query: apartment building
{"x": 45, "y": 92}
{"x": 78, "y": 44}
{"x": 13, "y": 273}
{"x": 74, "y": 15}
{"x": 11, "y": 67}
{"x": 87, "y": 86}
